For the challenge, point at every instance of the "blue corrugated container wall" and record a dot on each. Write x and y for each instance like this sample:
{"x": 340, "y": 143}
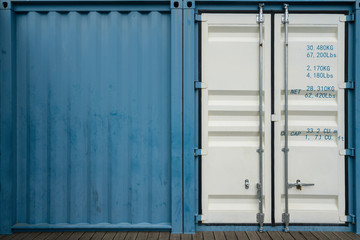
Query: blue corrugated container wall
{"x": 86, "y": 116}
{"x": 93, "y": 117}
{"x": 98, "y": 113}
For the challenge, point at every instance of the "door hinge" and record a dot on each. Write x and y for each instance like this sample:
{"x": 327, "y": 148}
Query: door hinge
{"x": 199, "y": 18}
{"x": 348, "y": 18}
{"x": 275, "y": 118}
{"x": 347, "y": 85}
{"x": 199, "y": 85}
{"x": 348, "y": 152}
{"x": 199, "y": 152}
{"x": 350, "y": 219}
{"x": 199, "y": 218}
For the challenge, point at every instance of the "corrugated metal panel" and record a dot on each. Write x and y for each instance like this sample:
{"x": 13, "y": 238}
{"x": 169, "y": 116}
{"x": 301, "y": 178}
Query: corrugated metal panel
{"x": 93, "y": 117}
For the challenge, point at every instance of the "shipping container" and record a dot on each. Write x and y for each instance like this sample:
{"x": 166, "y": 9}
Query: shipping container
{"x": 180, "y": 115}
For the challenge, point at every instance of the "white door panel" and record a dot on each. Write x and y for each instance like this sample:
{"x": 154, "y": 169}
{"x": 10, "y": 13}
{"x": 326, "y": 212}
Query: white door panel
{"x": 230, "y": 117}
{"x": 316, "y": 118}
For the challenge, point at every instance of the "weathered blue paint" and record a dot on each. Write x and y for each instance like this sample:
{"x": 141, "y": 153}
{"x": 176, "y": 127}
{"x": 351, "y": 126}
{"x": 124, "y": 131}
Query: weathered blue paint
{"x": 91, "y": 227}
{"x": 351, "y": 120}
{"x": 357, "y": 117}
{"x": 21, "y": 7}
{"x": 278, "y": 7}
{"x": 99, "y": 116}
{"x": 176, "y": 119}
{"x": 95, "y": 118}
{"x": 7, "y": 123}
{"x": 197, "y": 119}
{"x": 189, "y": 117}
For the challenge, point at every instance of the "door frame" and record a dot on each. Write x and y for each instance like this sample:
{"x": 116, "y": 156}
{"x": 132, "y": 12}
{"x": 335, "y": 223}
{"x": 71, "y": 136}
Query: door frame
{"x": 192, "y": 26}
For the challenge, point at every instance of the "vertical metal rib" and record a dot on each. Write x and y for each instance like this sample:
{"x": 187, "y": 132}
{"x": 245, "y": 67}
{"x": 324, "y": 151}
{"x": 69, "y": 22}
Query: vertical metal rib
{"x": 260, "y": 215}
{"x": 286, "y": 216}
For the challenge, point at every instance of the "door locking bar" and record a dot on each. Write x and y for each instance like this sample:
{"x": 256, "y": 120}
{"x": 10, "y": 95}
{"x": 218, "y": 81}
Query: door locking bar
{"x": 260, "y": 215}
{"x": 299, "y": 185}
{"x": 286, "y": 215}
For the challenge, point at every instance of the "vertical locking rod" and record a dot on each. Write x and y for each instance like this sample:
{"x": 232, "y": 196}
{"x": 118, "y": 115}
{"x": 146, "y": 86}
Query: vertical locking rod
{"x": 286, "y": 215}
{"x": 260, "y": 215}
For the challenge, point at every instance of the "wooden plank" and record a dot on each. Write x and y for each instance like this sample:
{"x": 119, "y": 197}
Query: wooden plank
{"x": 120, "y": 235}
{"x": 32, "y": 235}
{"x": 264, "y": 235}
{"x": 208, "y": 236}
{"x": 98, "y": 235}
{"x": 18, "y": 236}
{"x": 53, "y": 235}
{"x": 65, "y": 236}
{"x": 297, "y": 236}
{"x": 308, "y": 236}
{"x": 319, "y": 235}
{"x": 164, "y": 236}
{"x": 6, "y": 237}
{"x": 198, "y": 236}
{"x": 78, "y": 235}
{"x": 241, "y": 235}
{"x": 331, "y": 236}
{"x": 219, "y": 236}
{"x": 42, "y": 236}
{"x": 109, "y": 236}
{"x": 175, "y": 236}
{"x": 131, "y": 236}
{"x": 286, "y": 235}
{"x": 142, "y": 235}
{"x": 84, "y": 236}
{"x": 230, "y": 236}
{"x": 352, "y": 235}
{"x": 252, "y": 236}
{"x": 153, "y": 236}
{"x": 186, "y": 236}
{"x": 342, "y": 236}
{"x": 274, "y": 235}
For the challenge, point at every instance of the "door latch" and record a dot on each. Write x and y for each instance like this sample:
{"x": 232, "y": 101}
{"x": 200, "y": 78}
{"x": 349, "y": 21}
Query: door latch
{"x": 247, "y": 184}
{"x": 299, "y": 185}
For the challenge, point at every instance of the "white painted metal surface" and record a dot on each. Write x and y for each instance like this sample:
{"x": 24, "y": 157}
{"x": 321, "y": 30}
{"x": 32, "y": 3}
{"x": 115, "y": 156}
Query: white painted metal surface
{"x": 230, "y": 134}
{"x": 230, "y": 120}
{"x": 316, "y": 118}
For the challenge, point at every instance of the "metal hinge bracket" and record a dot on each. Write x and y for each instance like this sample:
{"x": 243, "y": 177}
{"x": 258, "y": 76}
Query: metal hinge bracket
{"x": 275, "y": 118}
{"x": 260, "y": 16}
{"x": 260, "y": 217}
{"x": 199, "y": 85}
{"x": 348, "y": 18}
{"x": 348, "y": 152}
{"x": 351, "y": 219}
{"x": 199, "y": 152}
{"x": 347, "y": 85}
{"x": 286, "y": 18}
{"x": 286, "y": 220}
{"x": 199, "y": 18}
{"x": 199, "y": 218}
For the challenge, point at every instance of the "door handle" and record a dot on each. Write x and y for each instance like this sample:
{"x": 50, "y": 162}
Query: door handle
{"x": 299, "y": 185}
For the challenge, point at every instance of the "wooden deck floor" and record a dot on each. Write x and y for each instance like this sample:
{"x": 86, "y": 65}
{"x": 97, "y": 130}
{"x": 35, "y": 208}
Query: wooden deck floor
{"x": 168, "y": 236}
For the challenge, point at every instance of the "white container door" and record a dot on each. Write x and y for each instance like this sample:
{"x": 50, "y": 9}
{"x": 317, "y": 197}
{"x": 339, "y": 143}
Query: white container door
{"x": 316, "y": 118}
{"x": 230, "y": 118}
